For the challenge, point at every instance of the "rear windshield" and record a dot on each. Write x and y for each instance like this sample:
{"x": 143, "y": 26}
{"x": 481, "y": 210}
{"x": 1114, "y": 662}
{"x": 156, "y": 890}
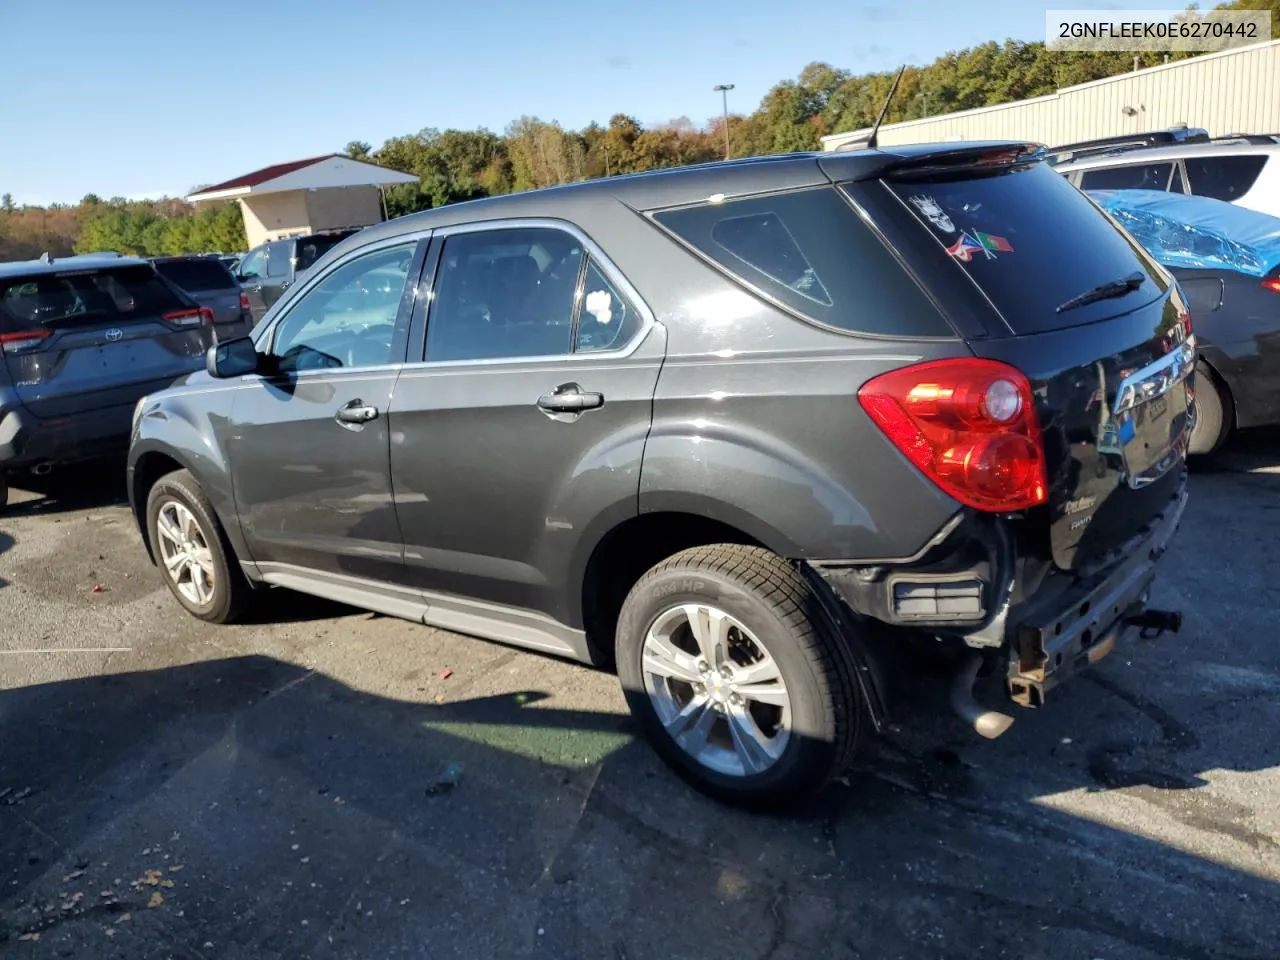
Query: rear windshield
{"x": 79, "y": 298}
{"x": 311, "y": 249}
{"x": 808, "y": 251}
{"x": 197, "y": 276}
{"x": 1031, "y": 241}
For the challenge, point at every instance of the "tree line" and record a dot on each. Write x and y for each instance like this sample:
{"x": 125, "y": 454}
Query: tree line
{"x": 457, "y": 165}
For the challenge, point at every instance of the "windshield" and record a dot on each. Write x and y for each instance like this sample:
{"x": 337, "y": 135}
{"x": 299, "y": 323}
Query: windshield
{"x": 84, "y": 297}
{"x": 1031, "y": 241}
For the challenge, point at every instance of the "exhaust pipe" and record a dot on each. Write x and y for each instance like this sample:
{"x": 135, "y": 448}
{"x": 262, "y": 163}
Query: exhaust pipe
{"x": 41, "y": 469}
{"x": 986, "y": 723}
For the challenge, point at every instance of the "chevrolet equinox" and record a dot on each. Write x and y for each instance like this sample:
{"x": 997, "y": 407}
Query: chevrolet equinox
{"x": 734, "y": 429}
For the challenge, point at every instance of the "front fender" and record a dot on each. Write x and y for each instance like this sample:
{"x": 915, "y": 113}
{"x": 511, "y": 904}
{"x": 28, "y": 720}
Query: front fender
{"x": 186, "y": 428}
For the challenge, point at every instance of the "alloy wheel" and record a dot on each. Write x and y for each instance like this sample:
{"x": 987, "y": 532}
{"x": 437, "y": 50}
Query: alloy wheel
{"x": 184, "y": 551}
{"x": 716, "y": 690}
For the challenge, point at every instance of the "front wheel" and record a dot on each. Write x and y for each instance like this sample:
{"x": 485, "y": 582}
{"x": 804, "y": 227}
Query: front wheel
{"x": 737, "y": 677}
{"x": 191, "y": 550}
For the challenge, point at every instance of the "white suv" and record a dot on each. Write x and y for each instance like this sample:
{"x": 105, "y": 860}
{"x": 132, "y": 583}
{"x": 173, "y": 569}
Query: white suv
{"x": 1247, "y": 174}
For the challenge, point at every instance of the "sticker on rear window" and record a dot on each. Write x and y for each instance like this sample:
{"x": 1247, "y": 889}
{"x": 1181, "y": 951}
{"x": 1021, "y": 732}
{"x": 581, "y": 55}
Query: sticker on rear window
{"x": 930, "y": 210}
{"x": 972, "y": 243}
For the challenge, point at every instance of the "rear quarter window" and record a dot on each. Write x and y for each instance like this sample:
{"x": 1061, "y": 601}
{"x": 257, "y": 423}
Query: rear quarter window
{"x": 809, "y": 252}
{"x": 1224, "y": 178}
{"x": 1030, "y": 241}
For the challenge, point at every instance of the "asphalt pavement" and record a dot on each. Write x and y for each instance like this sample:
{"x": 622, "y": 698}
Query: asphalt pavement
{"x": 327, "y": 783}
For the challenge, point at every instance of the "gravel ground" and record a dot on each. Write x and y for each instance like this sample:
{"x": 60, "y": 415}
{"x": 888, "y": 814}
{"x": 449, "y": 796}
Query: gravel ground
{"x": 328, "y": 783}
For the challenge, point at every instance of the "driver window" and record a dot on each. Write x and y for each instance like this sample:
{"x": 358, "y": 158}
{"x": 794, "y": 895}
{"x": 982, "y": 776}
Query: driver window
{"x": 347, "y": 319}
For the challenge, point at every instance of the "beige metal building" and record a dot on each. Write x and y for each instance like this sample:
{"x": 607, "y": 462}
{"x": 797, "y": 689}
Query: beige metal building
{"x": 1236, "y": 91}
{"x": 306, "y": 196}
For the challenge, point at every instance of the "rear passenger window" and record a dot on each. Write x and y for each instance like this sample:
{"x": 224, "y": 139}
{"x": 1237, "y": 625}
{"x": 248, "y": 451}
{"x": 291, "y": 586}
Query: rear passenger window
{"x": 808, "y": 251}
{"x": 1136, "y": 176}
{"x": 1224, "y": 178}
{"x": 505, "y": 294}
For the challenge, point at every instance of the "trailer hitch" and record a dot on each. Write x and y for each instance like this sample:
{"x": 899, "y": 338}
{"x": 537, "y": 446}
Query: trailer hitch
{"x": 1152, "y": 623}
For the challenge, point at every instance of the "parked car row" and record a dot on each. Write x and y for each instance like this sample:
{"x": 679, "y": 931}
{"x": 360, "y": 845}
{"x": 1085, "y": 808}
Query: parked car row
{"x": 745, "y": 431}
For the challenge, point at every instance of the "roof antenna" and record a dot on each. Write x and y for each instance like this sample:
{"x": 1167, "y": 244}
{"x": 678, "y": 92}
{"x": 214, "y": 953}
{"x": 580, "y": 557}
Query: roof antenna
{"x": 875, "y": 130}
{"x": 45, "y": 258}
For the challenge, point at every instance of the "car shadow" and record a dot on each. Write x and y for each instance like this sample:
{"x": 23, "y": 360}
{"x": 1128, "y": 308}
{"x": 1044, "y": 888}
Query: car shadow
{"x": 1246, "y": 451}
{"x": 6, "y": 544}
{"x": 249, "y": 807}
{"x": 80, "y": 486}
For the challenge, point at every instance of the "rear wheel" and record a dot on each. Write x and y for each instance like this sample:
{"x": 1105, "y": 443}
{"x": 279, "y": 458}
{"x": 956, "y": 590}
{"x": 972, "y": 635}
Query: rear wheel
{"x": 737, "y": 677}
{"x": 197, "y": 562}
{"x": 4, "y": 490}
{"x": 1212, "y": 420}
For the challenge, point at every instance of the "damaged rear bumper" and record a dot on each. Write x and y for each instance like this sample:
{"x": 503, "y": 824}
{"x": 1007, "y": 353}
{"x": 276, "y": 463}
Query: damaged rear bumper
{"x": 1052, "y": 637}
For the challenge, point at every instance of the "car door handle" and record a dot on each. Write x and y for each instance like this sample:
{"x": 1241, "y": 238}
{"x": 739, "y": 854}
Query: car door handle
{"x": 357, "y": 411}
{"x": 570, "y": 398}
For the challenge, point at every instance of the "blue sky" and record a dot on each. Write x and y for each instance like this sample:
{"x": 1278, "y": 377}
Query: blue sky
{"x": 142, "y": 97}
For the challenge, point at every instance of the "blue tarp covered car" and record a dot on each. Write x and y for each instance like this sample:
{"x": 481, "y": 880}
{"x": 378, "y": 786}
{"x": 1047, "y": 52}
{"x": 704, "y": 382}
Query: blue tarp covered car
{"x": 1227, "y": 262}
{"x": 1196, "y": 232}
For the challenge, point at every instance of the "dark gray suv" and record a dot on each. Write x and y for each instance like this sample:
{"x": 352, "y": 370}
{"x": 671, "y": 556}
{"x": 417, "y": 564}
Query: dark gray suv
{"x": 744, "y": 430}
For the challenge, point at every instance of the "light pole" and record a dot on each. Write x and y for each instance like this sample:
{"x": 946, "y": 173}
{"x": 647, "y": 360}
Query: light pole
{"x": 723, "y": 89}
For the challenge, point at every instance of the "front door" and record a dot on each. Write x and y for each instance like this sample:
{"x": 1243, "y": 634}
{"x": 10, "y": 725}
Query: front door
{"x": 309, "y": 441}
{"x": 526, "y": 423}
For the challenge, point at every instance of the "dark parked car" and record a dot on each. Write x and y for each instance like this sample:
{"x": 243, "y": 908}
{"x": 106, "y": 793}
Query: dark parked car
{"x": 266, "y": 271}
{"x": 1227, "y": 261}
{"x": 209, "y": 283}
{"x": 738, "y": 428}
{"x": 81, "y": 339}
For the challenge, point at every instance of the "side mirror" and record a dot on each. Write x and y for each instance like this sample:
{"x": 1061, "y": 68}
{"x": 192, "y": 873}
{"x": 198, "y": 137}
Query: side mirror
{"x": 232, "y": 358}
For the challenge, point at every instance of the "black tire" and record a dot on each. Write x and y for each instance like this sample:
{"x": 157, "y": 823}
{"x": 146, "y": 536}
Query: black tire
{"x": 771, "y": 599}
{"x": 4, "y": 490}
{"x": 230, "y": 593}
{"x": 1213, "y": 421}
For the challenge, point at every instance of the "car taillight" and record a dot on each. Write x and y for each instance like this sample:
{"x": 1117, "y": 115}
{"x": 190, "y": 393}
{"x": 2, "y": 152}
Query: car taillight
{"x": 969, "y": 424}
{"x": 244, "y": 300}
{"x": 24, "y": 340}
{"x": 189, "y": 318}
{"x": 1272, "y": 284}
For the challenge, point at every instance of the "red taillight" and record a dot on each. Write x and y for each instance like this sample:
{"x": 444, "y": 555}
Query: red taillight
{"x": 1272, "y": 284}
{"x": 206, "y": 316}
{"x": 970, "y": 425}
{"x": 11, "y": 342}
{"x": 244, "y": 300}
{"x": 186, "y": 318}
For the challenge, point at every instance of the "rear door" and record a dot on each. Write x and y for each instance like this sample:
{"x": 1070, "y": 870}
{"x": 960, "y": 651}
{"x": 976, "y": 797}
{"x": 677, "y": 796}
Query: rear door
{"x": 279, "y": 271}
{"x": 251, "y": 274}
{"x": 1111, "y": 373}
{"x": 96, "y": 339}
{"x": 527, "y": 418}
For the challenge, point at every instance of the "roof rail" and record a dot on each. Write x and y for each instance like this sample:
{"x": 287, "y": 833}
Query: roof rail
{"x": 1251, "y": 138}
{"x": 1124, "y": 142}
